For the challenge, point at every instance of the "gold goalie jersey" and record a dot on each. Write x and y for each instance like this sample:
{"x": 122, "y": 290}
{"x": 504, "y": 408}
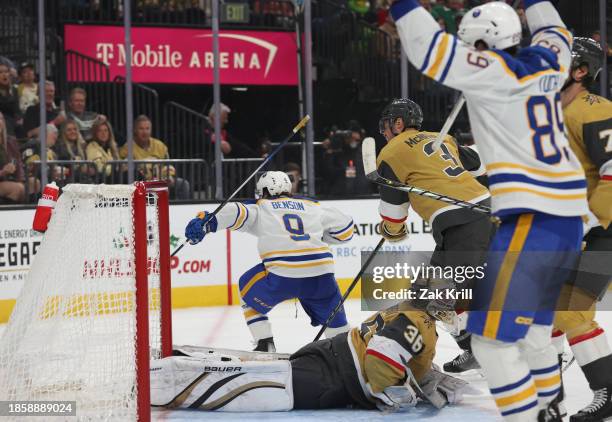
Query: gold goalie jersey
{"x": 388, "y": 342}
{"x": 588, "y": 121}
{"x": 409, "y": 158}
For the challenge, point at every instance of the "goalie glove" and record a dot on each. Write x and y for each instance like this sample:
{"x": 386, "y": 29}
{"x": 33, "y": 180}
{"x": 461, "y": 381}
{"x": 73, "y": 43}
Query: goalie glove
{"x": 395, "y": 398}
{"x": 393, "y": 232}
{"x": 441, "y": 389}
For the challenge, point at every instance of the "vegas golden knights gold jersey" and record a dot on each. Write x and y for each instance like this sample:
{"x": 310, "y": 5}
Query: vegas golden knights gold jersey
{"x": 389, "y": 341}
{"x": 588, "y": 121}
{"x": 409, "y": 158}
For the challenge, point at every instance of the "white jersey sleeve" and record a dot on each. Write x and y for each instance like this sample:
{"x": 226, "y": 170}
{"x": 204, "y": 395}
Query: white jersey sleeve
{"x": 337, "y": 227}
{"x": 238, "y": 216}
{"x": 448, "y": 60}
{"x": 549, "y": 31}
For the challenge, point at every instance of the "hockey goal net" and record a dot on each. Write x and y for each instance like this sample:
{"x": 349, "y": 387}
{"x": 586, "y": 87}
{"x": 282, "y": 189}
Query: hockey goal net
{"x": 95, "y": 307}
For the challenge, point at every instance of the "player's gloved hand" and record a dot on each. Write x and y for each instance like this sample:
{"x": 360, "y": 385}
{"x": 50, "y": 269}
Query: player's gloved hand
{"x": 395, "y": 398}
{"x": 394, "y": 232}
{"x": 200, "y": 227}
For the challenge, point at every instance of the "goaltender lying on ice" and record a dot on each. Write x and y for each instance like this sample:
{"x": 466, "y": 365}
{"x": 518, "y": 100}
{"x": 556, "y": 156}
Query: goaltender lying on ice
{"x": 386, "y": 363}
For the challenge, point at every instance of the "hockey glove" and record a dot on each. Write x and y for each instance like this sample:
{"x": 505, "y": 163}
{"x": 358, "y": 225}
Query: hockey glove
{"x": 441, "y": 389}
{"x": 394, "y": 232}
{"x": 200, "y": 227}
{"x": 395, "y": 398}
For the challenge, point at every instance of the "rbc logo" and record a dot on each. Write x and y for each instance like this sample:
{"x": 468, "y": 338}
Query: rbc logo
{"x": 476, "y": 13}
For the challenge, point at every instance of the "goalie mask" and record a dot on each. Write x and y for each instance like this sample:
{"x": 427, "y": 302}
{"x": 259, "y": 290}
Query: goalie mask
{"x": 496, "y": 24}
{"x": 274, "y": 182}
{"x": 432, "y": 296}
{"x": 409, "y": 111}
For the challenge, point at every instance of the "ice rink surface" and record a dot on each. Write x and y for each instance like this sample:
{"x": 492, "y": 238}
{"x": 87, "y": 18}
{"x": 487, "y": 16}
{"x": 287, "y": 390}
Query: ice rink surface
{"x": 225, "y": 327}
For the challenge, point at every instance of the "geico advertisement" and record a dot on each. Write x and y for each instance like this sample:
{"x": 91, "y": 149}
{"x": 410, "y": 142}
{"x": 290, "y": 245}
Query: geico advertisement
{"x": 210, "y": 262}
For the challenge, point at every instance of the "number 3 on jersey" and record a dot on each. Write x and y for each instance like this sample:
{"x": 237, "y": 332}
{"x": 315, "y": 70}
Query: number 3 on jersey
{"x": 542, "y": 124}
{"x": 295, "y": 226}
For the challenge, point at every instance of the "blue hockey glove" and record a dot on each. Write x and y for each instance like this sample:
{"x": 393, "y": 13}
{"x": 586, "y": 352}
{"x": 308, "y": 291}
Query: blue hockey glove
{"x": 200, "y": 227}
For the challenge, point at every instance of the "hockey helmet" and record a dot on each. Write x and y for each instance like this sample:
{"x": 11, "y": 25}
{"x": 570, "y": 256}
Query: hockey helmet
{"x": 275, "y": 182}
{"x": 408, "y": 110}
{"x": 435, "y": 297}
{"x": 587, "y": 51}
{"x": 496, "y": 23}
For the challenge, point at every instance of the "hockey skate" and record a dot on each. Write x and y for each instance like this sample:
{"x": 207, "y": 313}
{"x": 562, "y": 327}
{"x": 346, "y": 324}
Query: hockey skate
{"x": 265, "y": 345}
{"x": 600, "y": 408}
{"x": 462, "y": 363}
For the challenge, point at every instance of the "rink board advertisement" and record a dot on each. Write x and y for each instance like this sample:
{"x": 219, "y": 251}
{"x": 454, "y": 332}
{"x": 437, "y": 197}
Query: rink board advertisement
{"x": 207, "y": 273}
{"x": 185, "y": 56}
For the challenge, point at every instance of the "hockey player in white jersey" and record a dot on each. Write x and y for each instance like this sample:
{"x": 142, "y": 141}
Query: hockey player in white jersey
{"x": 293, "y": 241}
{"x": 537, "y": 185}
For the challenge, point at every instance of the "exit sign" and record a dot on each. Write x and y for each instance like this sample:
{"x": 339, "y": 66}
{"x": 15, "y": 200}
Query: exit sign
{"x": 235, "y": 12}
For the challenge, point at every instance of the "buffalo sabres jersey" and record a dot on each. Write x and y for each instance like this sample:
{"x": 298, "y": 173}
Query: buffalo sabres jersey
{"x": 514, "y": 106}
{"x": 409, "y": 158}
{"x": 389, "y": 342}
{"x": 293, "y": 233}
{"x": 588, "y": 120}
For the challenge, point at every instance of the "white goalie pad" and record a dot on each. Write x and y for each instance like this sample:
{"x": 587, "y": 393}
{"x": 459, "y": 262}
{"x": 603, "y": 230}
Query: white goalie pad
{"x": 211, "y": 384}
{"x": 226, "y": 354}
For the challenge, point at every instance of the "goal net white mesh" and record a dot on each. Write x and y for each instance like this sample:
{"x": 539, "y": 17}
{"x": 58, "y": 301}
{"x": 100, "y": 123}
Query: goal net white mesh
{"x": 72, "y": 333}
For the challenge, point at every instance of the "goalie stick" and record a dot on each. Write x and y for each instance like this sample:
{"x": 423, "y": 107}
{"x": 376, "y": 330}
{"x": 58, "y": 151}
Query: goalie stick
{"x": 368, "y": 152}
{"x": 285, "y": 141}
{"x": 350, "y": 289}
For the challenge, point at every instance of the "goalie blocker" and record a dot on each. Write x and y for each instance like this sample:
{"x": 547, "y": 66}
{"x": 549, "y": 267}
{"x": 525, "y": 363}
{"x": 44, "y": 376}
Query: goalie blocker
{"x": 386, "y": 363}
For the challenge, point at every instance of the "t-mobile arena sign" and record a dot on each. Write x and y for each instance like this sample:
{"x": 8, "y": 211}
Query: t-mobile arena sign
{"x": 178, "y": 55}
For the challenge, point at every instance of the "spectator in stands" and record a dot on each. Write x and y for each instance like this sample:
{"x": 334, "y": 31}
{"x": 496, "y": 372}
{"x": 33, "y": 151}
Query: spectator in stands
{"x": 12, "y": 188}
{"x": 31, "y": 155}
{"x": 70, "y": 144}
{"x": 447, "y": 11}
{"x": 230, "y": 145}
{"x": 103, "y": 148}
{"x": 11, "y": 66}
{"x": 27, "y": 88}
{"x": 596, "y": 35}
{"x": 77, "y": 104}
{"x": 342, "y": 160}
{"x": 148, "y": 148}
{"x": 9, "y": 101}
{"x": 295, "y": 175}
{"x": 55, "y": 115}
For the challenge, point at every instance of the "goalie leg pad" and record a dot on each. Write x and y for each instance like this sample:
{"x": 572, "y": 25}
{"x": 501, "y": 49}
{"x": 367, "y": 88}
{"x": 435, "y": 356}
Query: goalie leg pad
{"x": 195, "y": 383}
{"x": 508, "y": 377}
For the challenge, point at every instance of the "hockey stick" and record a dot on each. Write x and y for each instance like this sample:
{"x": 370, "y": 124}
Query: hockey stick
{"x": 285, "y": 141}
{"x": 368, "y": 152}
{"x": 449, "y": 122}
{"x": 350, "y": 289}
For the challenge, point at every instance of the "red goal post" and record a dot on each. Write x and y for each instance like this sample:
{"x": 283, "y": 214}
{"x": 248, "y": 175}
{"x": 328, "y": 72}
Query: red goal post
{"x": 96, "y": 305}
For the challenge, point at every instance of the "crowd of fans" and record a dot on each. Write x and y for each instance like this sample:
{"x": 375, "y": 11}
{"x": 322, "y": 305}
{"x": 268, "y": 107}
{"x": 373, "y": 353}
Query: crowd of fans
{"x": 74, "y": 133}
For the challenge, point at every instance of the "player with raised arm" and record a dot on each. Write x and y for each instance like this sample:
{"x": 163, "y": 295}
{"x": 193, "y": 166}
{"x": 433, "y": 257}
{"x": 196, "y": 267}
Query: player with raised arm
{"x": 293, "y": 234}
{"x": 537, "y": 185}
{"x": 588, "y": 120}
{"x": 385, "y": 363}
{"x": 462, "y": 236}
